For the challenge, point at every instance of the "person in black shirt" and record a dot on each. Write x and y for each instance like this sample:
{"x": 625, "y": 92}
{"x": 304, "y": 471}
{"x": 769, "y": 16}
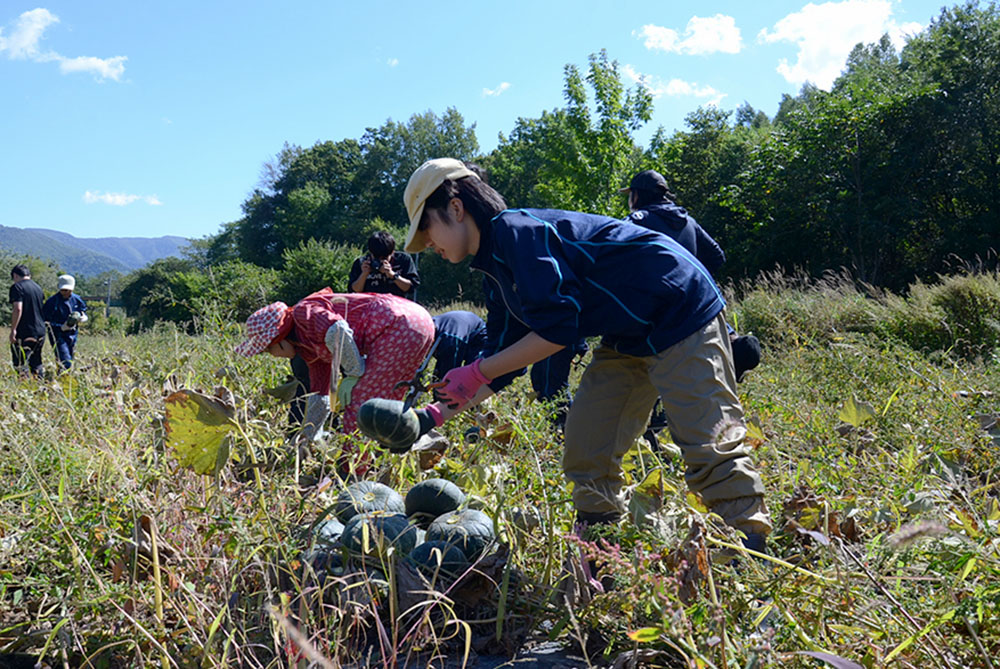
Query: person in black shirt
{"x": 383, "y": 270}
{"x": 27, "y": 328}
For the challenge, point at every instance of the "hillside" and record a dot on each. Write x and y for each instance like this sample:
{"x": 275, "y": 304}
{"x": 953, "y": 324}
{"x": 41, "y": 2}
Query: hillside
{"x": 87, "y": 256}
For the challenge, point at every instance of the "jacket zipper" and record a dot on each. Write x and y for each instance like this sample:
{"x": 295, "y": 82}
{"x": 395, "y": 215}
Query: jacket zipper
{"x": 502, "y": 296}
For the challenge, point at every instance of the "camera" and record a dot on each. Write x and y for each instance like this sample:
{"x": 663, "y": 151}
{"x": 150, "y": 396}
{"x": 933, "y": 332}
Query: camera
{"x": 373, "y": 263}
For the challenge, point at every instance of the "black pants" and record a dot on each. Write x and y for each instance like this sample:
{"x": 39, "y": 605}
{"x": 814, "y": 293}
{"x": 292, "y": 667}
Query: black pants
{"x": 28, "y": 351}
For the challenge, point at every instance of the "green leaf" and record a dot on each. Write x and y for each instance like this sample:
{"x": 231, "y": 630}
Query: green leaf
{"x": 197, "y": 427}
{"x": 969, "y": 566}
{"x": 645, "y": 634}
{"x": 856, "y": 413}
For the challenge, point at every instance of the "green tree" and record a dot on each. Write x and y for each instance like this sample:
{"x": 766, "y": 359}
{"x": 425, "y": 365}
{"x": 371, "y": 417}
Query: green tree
{"x": 576, "y": 158}
{"x": 394, "y": 150}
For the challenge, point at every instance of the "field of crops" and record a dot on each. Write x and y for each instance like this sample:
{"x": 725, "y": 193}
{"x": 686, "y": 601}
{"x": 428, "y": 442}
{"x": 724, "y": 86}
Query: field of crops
{"x": 880, "y": 453}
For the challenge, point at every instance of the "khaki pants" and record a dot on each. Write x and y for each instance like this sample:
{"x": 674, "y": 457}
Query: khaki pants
{"x": 696, "y": 382}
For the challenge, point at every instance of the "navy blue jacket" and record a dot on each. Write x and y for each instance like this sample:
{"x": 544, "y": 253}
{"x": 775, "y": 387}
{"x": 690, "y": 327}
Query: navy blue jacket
{"x": 461, "y": 336}
{"x": 57, "y": 309}
{"x": 675, "y": 222}
{"x": 567, "y": 275}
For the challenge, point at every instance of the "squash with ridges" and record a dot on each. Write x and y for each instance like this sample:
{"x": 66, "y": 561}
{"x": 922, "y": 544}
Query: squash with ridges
{"x": 471, "y": 530}
{"x": 426, "y": 559}
{"x": 432, "y": 498}
{"x": 383, "y": 530}
{"x": 367, "y": 497}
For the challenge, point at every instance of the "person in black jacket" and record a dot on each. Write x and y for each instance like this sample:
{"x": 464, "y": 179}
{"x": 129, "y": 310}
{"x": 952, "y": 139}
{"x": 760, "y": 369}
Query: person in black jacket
{"x": 654, "y": 206}
{"x": 27, "y": 327}
{"x": 383, "y": 270}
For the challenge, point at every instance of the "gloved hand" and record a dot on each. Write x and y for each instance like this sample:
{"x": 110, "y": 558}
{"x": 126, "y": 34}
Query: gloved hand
{"x": 344, "y": 389}
{"x": 317, "y": 410}
{"x": 430, "y": 417}
{"x": 461, "y": 384}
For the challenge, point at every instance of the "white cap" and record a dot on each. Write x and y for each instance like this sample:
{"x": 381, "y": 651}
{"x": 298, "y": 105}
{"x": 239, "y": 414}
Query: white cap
{"x": 423, "y": 182}
{"x": 67, "y": 282}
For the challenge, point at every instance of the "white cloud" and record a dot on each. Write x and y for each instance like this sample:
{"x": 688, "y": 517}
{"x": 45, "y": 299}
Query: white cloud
{"x": 101, "y": 68}
{"x": 392, "y": 62}
{"x": 494, "y": 92}
{"x": 657, "y": 87}
{"x": 23, "y": 41}
{"x": 703, "y": 35}
{"x": 826, "y": 33}
{"x": 23, "y": 44}
{"x": 119, "y": 199}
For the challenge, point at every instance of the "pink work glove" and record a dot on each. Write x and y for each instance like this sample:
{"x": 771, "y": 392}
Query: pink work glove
{"x": 461, "y": 384}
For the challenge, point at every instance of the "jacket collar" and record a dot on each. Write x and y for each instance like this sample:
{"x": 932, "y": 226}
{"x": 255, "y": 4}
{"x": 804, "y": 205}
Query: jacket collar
{"x": 484, "y": 255}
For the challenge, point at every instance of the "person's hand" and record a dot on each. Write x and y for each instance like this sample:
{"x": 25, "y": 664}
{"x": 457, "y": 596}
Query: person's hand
{"x": 461, "y": 384}
{"x": 386, "y": 268}
{"x": 430, "y": 417}
{"x": 344, "y": 389}
{"x": 13, "y": 337}
{"x": 366, "y": 267}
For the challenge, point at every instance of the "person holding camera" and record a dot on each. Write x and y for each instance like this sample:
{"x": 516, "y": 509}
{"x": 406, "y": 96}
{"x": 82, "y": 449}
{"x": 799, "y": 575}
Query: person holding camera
{"x": 63, "y": 312}
{"x": 383, "y": 270}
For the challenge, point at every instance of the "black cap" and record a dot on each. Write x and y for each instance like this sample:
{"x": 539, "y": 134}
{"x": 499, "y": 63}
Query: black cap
{"x": 650, "y": 180}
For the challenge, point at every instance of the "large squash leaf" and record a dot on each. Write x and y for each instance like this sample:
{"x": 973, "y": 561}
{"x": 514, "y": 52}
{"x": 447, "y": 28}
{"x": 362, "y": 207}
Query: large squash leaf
{"x": 198, "y": 427}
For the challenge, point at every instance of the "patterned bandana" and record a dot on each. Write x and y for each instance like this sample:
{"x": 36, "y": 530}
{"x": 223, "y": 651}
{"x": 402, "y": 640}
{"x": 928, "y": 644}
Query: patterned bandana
{"x": 264, "y": 326}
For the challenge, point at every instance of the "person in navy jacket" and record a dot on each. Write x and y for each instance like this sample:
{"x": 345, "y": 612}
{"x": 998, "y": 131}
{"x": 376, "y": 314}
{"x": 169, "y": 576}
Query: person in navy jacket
{"x": 63, "y": 312}
{"x": 460, "y": 336}
{"x": 559, "y": 276}
{"x": 653, "y": 206}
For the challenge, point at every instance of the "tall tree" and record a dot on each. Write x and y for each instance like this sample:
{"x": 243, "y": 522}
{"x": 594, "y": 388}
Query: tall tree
{"x": 576, "y": 158}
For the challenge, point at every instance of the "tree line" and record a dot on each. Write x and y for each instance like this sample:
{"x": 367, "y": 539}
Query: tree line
{"x": 893, "y": 174}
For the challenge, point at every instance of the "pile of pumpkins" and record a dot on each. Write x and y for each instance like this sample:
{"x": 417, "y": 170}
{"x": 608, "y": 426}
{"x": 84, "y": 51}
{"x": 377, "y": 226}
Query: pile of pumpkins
{"x": 431, "y": 529}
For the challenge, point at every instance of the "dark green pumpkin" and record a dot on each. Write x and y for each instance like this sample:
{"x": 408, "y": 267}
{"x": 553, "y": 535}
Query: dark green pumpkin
{"x": 318, "y": 565}
{"x": 431, "y": 498}
{"x": 328, "y": 531}
{"x": 451, "y": 558}
{"x": 471, "y": 530}
{"x": 384, "y": 530}
{"x": 389, "y": 424}
{"x": 366, "y": 497}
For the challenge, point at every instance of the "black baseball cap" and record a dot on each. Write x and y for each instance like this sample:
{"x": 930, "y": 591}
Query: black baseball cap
{"x": 649, "y": 180}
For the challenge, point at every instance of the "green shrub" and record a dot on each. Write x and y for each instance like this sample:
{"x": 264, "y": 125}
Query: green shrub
{"x": 314, "y": 265}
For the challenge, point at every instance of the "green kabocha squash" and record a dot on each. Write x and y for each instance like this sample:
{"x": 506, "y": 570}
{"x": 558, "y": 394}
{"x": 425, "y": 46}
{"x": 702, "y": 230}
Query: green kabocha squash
{"x": 471, "y": 530}
{"x": 373, "y": 534}
{"x": 432, "y": 498}
{"x": 366, "y": 497}
{"x": 388, "y": 423}
{"x": 429, "y": 556}
{"x": 328, "y": 531}
{"x": 318, "y": 565}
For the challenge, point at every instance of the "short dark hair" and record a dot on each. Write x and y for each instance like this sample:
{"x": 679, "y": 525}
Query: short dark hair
{"x": 381, "y": 244}
{"x": 478, "y": 198}
{"x": 479, "y": 172}
{"x": 21, "y": 271}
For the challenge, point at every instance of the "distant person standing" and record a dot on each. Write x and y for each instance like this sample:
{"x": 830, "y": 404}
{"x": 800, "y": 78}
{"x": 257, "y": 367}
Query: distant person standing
{"x": 383, "y": 270}
{"x": 27, "y": 328}
{"x": 653, "y": 206}
{"x": 64, "y": 312}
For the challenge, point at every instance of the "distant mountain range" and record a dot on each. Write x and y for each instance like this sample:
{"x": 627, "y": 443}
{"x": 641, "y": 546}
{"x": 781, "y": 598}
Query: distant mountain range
{"x": 87, "y": 256}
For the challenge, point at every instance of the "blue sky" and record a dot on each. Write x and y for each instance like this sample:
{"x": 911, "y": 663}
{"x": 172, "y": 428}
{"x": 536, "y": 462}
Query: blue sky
{"x": 144, "y": 119}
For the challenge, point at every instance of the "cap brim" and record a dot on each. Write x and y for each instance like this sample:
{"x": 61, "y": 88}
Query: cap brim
{"x": 624, "y": 190}
{"x": 415, "y": 238}
{"x": 251, "y": 346}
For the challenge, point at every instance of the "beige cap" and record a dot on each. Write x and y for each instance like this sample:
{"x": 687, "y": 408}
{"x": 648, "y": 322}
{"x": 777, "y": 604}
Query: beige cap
{"x": 66, "y": 282}
{"x": 425, "y": 180}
